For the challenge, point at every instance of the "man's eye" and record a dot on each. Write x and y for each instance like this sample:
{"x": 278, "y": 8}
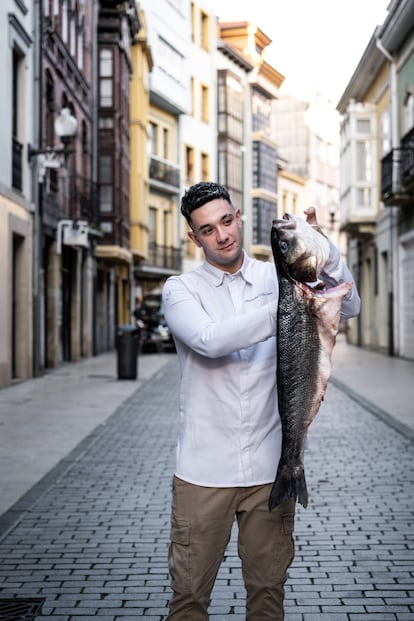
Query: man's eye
{"x": 228, "y": 221}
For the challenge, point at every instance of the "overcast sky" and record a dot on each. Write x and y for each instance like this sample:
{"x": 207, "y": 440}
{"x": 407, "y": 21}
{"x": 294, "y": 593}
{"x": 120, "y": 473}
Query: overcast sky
{"x": 316, "y": 44}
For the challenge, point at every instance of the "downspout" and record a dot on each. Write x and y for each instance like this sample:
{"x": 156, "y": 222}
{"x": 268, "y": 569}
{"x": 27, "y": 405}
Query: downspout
{"x": 395, "y": 172}
{"x": 94, "y": 172}
{"x": 38, "y": 325}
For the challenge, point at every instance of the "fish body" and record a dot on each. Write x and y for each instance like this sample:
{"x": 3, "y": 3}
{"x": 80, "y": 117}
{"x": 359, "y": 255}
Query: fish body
{"x": 307, "y": 325}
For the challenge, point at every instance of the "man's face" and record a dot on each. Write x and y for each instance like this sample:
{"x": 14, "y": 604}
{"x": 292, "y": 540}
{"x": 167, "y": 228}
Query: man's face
{"x": 217, "y": 229}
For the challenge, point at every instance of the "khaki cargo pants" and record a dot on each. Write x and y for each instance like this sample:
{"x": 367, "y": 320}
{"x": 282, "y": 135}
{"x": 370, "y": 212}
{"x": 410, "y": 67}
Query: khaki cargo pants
{"x": 202, "y": 519}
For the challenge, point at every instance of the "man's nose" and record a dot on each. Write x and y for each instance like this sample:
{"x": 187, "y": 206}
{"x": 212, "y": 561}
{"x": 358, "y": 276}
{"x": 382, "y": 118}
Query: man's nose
{"x": 221, "y": 233}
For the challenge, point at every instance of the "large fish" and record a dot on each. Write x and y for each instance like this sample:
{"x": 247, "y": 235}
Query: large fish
{"x": 307, "y": 325}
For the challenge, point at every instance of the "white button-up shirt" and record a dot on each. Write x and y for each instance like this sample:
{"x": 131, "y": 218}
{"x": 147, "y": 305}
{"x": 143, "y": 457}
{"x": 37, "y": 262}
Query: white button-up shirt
{"x": 224, "y": 328}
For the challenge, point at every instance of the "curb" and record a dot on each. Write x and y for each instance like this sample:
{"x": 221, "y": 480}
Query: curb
{"x": 374, "y": 409}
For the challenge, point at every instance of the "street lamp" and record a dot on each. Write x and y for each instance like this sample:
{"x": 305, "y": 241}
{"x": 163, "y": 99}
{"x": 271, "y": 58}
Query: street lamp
{"x": 50, "y": 157}
{"x": 332, "y": 214}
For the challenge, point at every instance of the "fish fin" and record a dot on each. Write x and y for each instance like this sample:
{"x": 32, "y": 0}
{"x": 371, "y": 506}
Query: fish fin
{"x": 289, "y": 484}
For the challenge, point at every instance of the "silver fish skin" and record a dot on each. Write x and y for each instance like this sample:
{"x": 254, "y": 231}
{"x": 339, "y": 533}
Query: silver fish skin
{"x": 307, "y": 325}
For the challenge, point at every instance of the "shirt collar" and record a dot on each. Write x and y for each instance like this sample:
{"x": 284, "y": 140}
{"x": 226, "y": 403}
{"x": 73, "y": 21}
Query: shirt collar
{"x": 217, "y": 275}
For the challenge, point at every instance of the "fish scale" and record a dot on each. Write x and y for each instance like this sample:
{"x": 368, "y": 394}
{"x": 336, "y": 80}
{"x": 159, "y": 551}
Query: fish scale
{"x": 307, "y": 324}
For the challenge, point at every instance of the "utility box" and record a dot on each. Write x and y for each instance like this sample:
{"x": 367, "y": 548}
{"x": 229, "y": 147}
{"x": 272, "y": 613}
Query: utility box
{"x": 127, "y": 345}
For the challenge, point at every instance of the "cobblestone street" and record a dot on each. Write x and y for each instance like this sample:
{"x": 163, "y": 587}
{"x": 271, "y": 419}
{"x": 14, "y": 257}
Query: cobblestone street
{"x": 93, "y": 541}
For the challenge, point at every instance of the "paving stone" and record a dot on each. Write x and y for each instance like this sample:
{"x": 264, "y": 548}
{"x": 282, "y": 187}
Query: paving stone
{"x": 94, "y": 544}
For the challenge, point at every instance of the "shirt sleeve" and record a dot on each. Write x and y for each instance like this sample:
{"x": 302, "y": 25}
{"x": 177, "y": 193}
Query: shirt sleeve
{"x": 336, "y": 272}
{"x": 189, "y": 322}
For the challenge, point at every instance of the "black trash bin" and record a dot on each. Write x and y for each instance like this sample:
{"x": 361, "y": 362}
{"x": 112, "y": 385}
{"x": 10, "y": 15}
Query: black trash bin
{"x": 127, "y": 341}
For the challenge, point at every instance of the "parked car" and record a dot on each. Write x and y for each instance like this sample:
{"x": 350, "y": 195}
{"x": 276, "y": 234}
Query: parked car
{"x": 154, "y": 331}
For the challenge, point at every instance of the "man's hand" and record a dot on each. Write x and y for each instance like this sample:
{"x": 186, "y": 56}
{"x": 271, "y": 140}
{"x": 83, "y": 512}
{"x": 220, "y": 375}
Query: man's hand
{"x": 310, "y": 213}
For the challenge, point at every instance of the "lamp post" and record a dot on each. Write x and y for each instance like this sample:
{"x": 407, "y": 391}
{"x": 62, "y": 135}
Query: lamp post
{"x": 51, "y": 157}
{"x": 48, "y": 157}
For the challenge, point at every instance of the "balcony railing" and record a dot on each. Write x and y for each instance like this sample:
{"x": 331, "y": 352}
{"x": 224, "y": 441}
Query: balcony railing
{"x": 17, "y": 148}
{"x": 397, "y": 173}
{"x": 164, "y": 172}
{"x": 85, "y": 197}
{"x": 407, "y": 159}
{"x": 165, "y": 257}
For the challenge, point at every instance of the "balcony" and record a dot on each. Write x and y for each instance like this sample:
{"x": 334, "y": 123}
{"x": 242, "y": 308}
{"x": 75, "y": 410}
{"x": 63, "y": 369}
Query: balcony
{"x": 161, "y": 261}
{"x": 85, "y": 197}
{"x": 164, "y": 175}
{"x": 397, "y": 174}
{"x": 407, "y": 159}
{"x": 165, "y": 257}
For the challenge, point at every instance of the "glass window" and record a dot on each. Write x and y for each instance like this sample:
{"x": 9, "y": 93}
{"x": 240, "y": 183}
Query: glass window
{"x": 363, "y": 161}
{"x": 105, "y": 78}
{"x": 364, "y": 197}
{"x": 363, "y": 126}
{"x": 154, "y": 133}
{"x": 204, "y": 104}
{"x": 165, "y": 143}
{"x": 204, "y": 31}
{"x": 385, "y": 129}
{"x": 409, "y": 113}
{"x": 105, "y": 183}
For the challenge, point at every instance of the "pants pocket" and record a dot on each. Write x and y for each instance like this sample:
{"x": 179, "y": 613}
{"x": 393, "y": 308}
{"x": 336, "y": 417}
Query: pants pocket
{"x": 179, "y": 557}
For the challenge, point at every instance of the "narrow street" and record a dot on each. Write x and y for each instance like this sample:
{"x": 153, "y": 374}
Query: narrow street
{"x": 93, "y": 541}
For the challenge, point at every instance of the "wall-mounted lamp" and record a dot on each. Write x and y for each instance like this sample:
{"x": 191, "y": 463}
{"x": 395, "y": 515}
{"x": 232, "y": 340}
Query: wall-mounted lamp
{"x": 65, "y": 127}
{"x": 332, "y": 214}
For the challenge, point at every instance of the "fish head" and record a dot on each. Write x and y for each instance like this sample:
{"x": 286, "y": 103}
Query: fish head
{"x": 299, "y": 251}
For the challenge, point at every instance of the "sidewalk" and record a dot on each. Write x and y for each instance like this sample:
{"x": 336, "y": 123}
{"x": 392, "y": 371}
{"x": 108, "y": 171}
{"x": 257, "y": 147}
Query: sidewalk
{"x": 383, "y": 384}
{"x": 42, "y": 420}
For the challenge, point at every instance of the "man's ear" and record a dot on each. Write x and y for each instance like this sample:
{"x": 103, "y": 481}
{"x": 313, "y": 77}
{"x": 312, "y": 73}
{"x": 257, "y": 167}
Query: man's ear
{"x": 194, "y": 238}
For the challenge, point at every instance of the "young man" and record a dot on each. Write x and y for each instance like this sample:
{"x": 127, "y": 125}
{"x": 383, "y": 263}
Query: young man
{"x": 223, "y": 319}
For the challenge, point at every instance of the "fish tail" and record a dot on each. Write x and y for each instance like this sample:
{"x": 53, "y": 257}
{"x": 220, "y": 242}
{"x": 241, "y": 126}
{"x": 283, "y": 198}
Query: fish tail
{"x": 289, "y": 484}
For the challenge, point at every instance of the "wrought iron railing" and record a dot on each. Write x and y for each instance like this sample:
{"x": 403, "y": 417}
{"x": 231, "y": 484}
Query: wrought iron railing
{"x": 164, "y": 256}
{"x": 164, "y": 172}
{"x": 17, "y": 148}
{"x": 407, "y": 159}
{"x": 86, "y": 199}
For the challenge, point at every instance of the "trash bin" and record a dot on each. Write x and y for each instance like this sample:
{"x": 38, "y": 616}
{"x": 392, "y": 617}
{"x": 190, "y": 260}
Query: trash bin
{"x": 127, "y": 341}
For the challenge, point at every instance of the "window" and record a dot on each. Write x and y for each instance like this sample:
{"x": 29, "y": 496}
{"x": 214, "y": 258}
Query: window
{"x": 261, "y": 109}
{"x": 409, "y": 112}
{"x": 205, "y": 165}
{"x": 154, "y": 135}
{"x": 189, "y": 165}
{"x": 165, "y": 143}
{"x": 204, "y": 112}
{"x": 363, "y": 160}
{"x": 385, "y": 130}
{"x": 192, "y": 21}
{"x": 72, "y": 41}
{"x": 170, "y": 61}
{"x": 105, "y": 183}
{"x": 204, "y": 31}
{"x": 65, "y": 21}
{"x": 152, "y": 225}
{"x": 105, "y": 78}
{"x": 18, "y": 71}
{"x": 80, "y": 50}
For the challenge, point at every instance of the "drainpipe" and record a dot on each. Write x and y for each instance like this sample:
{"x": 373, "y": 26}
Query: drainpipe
{"x": 395, "y": 172}
{"x": 38, "y": 325}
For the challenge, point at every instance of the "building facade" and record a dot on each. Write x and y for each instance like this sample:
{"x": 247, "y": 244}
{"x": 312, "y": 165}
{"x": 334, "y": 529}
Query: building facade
{"x": 117, "y": 27}
{"x": 16, "y": 208}
{"x": 253, "y": 162}
{"x": 377, "y": 183}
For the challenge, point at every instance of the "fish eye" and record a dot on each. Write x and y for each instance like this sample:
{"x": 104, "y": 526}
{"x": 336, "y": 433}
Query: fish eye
{"x": 283, "y": 245}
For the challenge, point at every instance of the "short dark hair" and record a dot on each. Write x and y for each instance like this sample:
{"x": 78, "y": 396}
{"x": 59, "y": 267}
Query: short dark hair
{"x": 199, "y": 194}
